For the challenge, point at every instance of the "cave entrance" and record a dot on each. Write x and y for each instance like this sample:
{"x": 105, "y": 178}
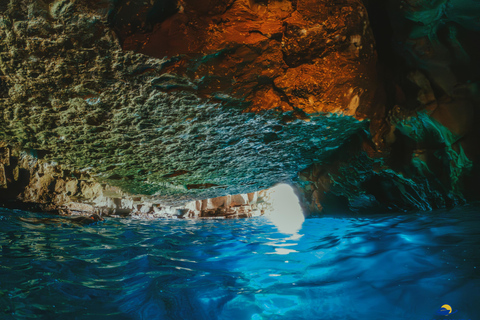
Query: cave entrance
{"x": 280, "y": 204}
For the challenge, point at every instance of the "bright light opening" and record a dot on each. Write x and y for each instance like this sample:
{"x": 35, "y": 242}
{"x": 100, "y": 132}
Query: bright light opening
{"x": 284, "y": 211}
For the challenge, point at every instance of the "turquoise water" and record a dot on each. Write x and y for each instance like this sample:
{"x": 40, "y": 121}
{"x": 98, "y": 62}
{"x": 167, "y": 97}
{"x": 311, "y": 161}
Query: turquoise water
{"x": 377, "y": 267}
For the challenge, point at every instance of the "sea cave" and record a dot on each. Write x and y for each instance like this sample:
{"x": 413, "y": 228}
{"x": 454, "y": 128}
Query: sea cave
{"x": 239, "y": 159}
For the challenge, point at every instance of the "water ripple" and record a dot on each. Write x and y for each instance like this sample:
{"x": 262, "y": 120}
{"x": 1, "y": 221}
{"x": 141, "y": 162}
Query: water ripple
{"x": 377, "y": 267}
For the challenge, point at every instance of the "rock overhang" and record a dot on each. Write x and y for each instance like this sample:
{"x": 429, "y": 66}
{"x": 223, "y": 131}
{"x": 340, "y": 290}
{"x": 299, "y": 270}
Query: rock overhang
{"x": 240, "y": 110}
{"x": 173, "y": 101}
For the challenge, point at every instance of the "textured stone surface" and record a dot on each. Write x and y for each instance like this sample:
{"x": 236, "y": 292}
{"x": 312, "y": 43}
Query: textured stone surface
{"x": 36, "y": 185}
{"x": 180, "y": 126}
{"x": 152, "y": 105}
{"x": 429, "y": 155}
{"x": 317, "y": 56}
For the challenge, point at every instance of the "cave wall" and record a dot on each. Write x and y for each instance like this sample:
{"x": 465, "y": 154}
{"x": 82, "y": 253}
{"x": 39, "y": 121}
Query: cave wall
{"x": 362, "y": 106}
{"x": 317, "y": 56}
{"x": 251, "y": 94}
{"x": 428, "y": 58}
{"x": 27, "y": 182}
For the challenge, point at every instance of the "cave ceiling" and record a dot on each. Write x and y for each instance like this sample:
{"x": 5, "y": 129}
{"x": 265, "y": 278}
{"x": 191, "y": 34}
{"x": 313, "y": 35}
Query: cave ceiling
{"x": 189, "y": 99}
{"x": 371, "y": 102}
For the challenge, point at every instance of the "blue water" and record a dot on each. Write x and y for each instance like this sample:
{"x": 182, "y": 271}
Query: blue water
{"x": 377, "y": 267}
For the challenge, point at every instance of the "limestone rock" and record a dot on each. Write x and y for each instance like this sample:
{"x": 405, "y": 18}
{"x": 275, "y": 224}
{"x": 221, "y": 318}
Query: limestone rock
{"x": 188, "y": 108}
{"x": 228, "y": 97}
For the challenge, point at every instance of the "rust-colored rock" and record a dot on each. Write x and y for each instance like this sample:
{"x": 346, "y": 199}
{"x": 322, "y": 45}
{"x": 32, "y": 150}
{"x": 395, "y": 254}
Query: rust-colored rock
{"x": 123, "y": 107}
{"x": 198, "y": 100}
{"x": 317, "y": 56}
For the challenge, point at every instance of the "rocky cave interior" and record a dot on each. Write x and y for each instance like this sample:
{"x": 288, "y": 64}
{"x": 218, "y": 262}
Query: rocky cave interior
{"x": 196, "y": 108}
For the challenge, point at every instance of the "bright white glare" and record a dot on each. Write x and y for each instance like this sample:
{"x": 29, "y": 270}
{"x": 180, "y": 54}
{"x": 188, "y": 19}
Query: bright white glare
{"x": 285, "y": 211}
{"x": 282, "y": 251}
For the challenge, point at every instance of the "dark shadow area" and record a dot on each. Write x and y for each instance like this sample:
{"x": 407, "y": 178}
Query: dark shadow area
{"x": 129, "y": 17}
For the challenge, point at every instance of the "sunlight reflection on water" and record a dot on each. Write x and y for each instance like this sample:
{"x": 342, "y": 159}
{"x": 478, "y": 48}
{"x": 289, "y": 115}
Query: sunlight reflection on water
{"x": 285, "y": 212}
{"x": 376, "y": 267}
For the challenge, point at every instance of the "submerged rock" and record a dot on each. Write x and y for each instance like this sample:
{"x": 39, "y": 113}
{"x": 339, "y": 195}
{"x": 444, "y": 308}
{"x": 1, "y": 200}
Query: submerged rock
{"x": 79, "y": 221}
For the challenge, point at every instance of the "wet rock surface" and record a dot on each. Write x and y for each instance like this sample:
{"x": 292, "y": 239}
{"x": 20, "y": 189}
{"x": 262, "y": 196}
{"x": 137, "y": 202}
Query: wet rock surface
{"x": 131, "y": 107}
{"x": 32, "y": 184}
{"x": 76, "y": 221}
{"x": 429, "y": 152}
{"x": 142, "y": 124}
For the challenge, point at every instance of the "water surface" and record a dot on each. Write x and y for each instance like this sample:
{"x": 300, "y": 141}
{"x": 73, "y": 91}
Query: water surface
{"x": 377, "y": 267}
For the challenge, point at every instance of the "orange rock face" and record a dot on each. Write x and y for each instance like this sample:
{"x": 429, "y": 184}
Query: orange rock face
{"x": 312, "y": 55}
